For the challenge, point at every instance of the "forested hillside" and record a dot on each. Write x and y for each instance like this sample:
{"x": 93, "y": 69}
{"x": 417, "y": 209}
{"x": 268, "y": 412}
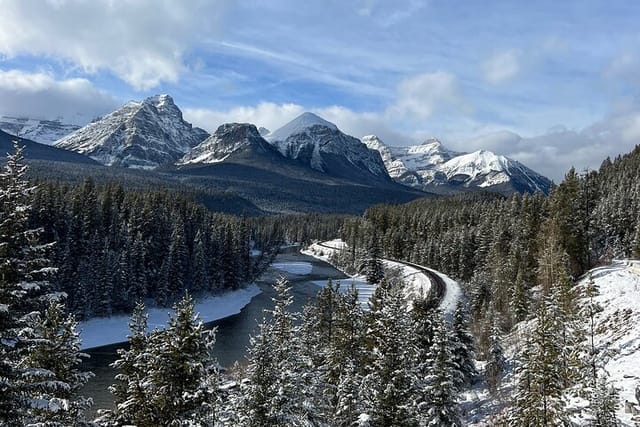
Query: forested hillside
{"x": 115, "y": 246}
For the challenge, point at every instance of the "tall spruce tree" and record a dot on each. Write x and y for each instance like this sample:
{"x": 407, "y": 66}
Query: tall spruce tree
{"x": 52, "y": 371}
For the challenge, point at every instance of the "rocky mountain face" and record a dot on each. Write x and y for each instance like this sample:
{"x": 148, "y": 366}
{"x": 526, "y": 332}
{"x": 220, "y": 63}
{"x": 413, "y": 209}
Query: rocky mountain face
{"x": 228, "y": 140}
{"x": 432, "y": 167}
{"x": 141, "y": 135}
{"x": 320, "y": 145}
{"x": 42, "y": 131}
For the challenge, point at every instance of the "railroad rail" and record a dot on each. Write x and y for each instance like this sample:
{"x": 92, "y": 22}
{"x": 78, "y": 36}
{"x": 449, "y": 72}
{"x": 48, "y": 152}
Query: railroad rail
{"x": 438, "y": 288}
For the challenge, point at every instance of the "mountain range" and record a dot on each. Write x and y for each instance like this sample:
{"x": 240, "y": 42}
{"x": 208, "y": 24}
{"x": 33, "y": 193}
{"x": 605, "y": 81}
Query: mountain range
{"x": 307, "y": 164}
{"x": 432, "y": 167}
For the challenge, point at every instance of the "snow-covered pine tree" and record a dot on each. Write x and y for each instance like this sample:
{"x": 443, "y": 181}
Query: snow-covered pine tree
{"x": 440, "y": 407}
{"x": 272, "y": 394}
{"x": 372, "y": 265}
{"x": 496, "y": 362}
{"x": 131, "y": 402}
{"x": 539, "y": 398}
{"x": 463, "y": 345}
{"x": 52, "y": 371}
{"x": 24, "y": 285}
{"x": 389, "y": 377}
{"x": 604, "y": 402}
{"x": 182, "y": 377}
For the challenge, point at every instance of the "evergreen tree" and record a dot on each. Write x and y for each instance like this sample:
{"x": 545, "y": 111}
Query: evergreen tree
{"x": 24, "y": 286}
{"x": 496, "y": 362}
{"x": 539, "y": 399}
{"x": 181, "y": 376}
{"x": 463, "y": 345}
{"x": 372, "y": 265}
{"x": 440, "y": 406}
{"x": 131, "y": 399}
{"x": 388, "y": 379}
{"x": 604, "y": 403}
{"x": 52, "y": 371}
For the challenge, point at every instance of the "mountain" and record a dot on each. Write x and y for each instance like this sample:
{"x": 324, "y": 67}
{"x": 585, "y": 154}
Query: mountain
{"x": 36, "y": 151}
{"x": 316, "y": 143}
{"x": 230, "y": 139}
{"x": 43, "y": 131}
{"x": 141, "y": 135}
{"x": 432, "y": 167}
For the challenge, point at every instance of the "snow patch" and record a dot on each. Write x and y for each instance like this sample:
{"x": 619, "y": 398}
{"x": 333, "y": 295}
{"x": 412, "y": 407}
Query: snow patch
{"x": 110, "y": 330}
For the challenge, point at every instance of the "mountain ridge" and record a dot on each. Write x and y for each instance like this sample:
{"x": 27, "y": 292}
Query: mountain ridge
{"x": 432, "y": 167}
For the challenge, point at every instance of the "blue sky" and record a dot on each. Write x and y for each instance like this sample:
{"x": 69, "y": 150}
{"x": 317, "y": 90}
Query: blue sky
{"x": 550, "y": 83}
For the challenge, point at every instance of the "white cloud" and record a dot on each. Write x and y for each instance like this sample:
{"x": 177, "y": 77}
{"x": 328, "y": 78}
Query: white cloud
{"x": 265, "y": 114}
{"x": 420, "y": 96}
{"x": 40, "y": 95}
{"x": 143, "y": 42}
{"x": 553, "y": 153}
{"x": 502, "y": 66}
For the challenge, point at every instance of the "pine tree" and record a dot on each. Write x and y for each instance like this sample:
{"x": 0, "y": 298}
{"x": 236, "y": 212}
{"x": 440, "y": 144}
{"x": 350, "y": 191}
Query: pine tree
{"x": 496, "y": 362}
{"x": 272, "y": 393}
{"x": 539, "y": 399}
{"x": 372, "y": 264}
{"x": 24, "y": 285}
{"x": 439, "y": 408}
{"x": 181, "y": 375}
{"x": 52, "y": 371}
{"x": 463, "y": 346}
{"x": 604, "y": 403}
{"x": 388, "y": 380}
{"x": 130, "y": 392}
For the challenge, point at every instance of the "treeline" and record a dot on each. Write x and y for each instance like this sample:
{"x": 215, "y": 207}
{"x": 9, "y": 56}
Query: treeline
{"x": 519, "y": 259}
{"x": 296, "y": 228}
{"x": 335, "y": 364}
{"x": 115, "y": 246}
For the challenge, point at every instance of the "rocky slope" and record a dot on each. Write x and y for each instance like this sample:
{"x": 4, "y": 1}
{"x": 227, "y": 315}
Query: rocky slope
{"x": 228, "y": 139}
{"x": 320, "y": 145}
{"x": 141, "y": 135}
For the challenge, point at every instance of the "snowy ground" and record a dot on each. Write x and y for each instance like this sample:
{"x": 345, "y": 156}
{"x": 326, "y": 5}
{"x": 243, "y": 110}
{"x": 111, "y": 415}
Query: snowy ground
{"x": 617, "y": 332}
{"x": 103, "y": 331}
{"x": 299, "y": 268}
{"x": 618, "y": 326}
{"x": 418, "y": 283}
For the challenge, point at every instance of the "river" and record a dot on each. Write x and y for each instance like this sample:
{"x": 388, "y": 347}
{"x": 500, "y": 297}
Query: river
{"x": 232, "y": 338}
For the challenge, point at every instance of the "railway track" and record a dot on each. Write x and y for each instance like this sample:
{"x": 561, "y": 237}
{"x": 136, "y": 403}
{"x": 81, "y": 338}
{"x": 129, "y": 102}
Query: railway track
{"x": 438, "y": 287}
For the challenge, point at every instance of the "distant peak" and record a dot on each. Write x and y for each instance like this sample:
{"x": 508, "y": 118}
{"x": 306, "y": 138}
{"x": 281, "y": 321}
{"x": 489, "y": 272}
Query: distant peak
{"x": 159, "y": 99}
{"x": 300, "y": 124}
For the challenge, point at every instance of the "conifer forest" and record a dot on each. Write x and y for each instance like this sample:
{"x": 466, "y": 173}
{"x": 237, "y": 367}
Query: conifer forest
{"x": 353, "y": 213}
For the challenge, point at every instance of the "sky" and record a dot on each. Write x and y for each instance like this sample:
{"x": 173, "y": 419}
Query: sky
{"x": 551, "y": 84}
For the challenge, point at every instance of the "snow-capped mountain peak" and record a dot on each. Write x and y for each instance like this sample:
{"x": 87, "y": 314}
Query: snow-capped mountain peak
{"x": 141, "y": 134}
{"x": 298, "y": 125}
{"x": 42, "y": 131}
{"x": 319, "y": 144}
{"x": 433, "y": 167}
{"x": 228, "y": 139}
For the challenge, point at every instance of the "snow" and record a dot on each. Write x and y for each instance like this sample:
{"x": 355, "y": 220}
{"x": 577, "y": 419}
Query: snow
{"x": 299, "y": 268}
{"x": 618, "y": 325}
{"x": 617, "y": 332}
{"x": 436, "y": 164}
{"x": 110, "y": 330}
{"x": 359, "y": 282}
{"x": 298, "y": 125}
{"x": 42, "y": 131}
{"x": 418, "y": 284}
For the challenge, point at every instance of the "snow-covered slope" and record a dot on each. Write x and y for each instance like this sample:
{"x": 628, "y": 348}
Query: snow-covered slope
{"x": 141, "y": 135}
{"x": 228, "y": 139}
{"x": 432, "y": 167}
{"x": 618, "y": 327}
{"x": 319, "y": 144}
{"x": 42, "y": 131}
